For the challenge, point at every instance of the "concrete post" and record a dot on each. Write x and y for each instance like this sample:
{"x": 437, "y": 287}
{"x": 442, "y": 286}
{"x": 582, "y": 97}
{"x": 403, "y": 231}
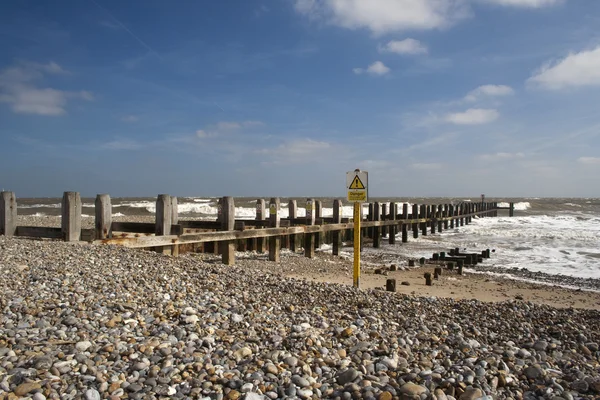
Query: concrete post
{"x": 103, "y": 211}
{"x": 274, "y": 241}
{"x": 8, "y": 214}
{"x": 227, "y": 224}
{"x": 71, "y": 216}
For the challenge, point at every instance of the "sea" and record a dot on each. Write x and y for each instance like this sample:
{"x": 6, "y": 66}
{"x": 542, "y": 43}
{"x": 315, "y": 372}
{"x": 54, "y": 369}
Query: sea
{"x": 556, "y": 236}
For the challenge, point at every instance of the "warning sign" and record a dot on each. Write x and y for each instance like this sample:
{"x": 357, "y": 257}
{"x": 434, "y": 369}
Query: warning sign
{"x": 356, "y": 183}
{"x": 357, "y": 186}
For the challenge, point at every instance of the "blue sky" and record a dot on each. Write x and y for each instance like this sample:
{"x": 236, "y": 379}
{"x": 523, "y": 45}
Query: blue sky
{"x": 282, "y": 97}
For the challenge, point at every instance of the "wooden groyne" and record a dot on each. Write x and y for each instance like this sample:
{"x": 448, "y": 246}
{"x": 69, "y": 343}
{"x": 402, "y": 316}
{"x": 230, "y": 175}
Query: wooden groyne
{"x": 266, "y": 233}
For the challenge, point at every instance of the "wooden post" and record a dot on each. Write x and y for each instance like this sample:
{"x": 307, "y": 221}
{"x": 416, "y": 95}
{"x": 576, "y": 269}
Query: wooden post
{"x": 8, "y": 214}
{"x": 511, "y": 210}
{"x": 71, "y": 216}
{"x": 370, "y": 217}
{"x": 384, "y": 229}
{"x": 163, "y": 220}
{"x": 376, "y": 229}
{"x": 337, "y": 219}
{"x": 103, "y": 211}
{"x": 446, "y": 215}
{"x": 423, "y": 214}
{"x": 227, "y": 224}
{"x": 451, "y": 214}
{"x": 309, "y": 238}
{"x": 274, "y": 241}
{"x": 392, "y": 228}
{"x": 261, "y": 215}
{"x": 318, "y": 214}
{"x": 462, "y": 213}
{"x": 293, "y": 214}
{"x": 174, "y": 221}
{"x": 390, "y": 285}
{"x": 404, "y": 224}
{"x": 415, "y": 215}
{"x": 433, "y": 216}
{"x": 428, "y": 281}
{"x": 440, "y": 215}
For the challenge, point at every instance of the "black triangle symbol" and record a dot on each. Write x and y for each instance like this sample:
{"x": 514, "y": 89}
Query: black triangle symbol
{"x": 356, "y": 183}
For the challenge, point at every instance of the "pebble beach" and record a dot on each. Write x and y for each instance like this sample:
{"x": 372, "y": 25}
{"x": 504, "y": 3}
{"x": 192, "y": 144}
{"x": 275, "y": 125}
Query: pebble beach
{"x": 92, "y": 322}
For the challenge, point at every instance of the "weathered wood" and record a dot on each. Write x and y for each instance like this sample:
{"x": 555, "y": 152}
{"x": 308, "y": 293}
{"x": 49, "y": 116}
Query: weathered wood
{"x": 309, "y": 238}
{"x": 274, "y": 241}
{"x": 446, "y": 215}
{"x": 293, "y": 214}
{"x": 370, "y": 217}
{"x": 8, "y": 214}
{"x": 261, "y": 216}
{"x": 423, "y": 215}
{"x": 393, "y": 228}
{"x": 39, "y": 232}
{"x": 103, "y": 215}
{"x": 440, "y": 218}
{"x": 384, "y": 229}
{"x": 163, "y": 220}
{"x": 71, "y": 216}
{"x": 390, "y": 285}
{"x": 415, "y": 226}
{"x": 337, "y": 219}
{"x": 142, "y": 227}
{"x": 318, "y": 220}
{"x": 511, "y": 210}
{"x": 228, "y": 224}
{"x": 376, "y": 229}
{"x": 433, "y": 217}
{"x": 405, "y": 224}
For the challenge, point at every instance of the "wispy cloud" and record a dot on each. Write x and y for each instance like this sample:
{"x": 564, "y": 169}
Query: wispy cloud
{"x": 377, "y": 68}
{"x": 406, "y": 46}
{"x": 575, "y": 70}
{"x": 525, "y": 3}
{"x": 473, "y": 116}
{"x": 489, "y": 91}
{"x": 500, "y": 156}
{"x": 589, "y": 160}
{"x": 19, "y": 88}
{"x": 294, "y": 151}
{"x": 227, "y": 127}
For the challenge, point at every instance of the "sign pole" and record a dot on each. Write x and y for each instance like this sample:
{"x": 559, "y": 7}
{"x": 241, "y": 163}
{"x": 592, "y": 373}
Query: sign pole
{"x": 357, "y": 235}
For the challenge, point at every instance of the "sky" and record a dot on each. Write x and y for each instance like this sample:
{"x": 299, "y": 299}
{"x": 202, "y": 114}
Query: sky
{"x": 283, "y": 97}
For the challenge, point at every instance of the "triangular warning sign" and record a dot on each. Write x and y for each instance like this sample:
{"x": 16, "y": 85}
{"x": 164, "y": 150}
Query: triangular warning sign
{"x": 356, "y": 183}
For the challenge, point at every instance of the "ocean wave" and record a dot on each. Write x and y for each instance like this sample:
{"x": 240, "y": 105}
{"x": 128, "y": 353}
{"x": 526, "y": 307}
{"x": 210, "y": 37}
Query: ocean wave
{"x": 520, "y": 206}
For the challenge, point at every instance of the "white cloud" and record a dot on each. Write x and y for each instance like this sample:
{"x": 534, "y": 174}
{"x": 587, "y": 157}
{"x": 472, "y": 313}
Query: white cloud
{"x": 377, "y": 68}
{"x": 406, "y": 46}
{"x": 575, "y": 70}
{"x": 489, "y": 90}
{"x": 228, "y": 126}
{"x": 589, "y": 160}
{"x": 383, "y": 16}
{"x": 18, "y": 88}
{"x": 524, "y": 3}
{"x": 500, "y": 156}
{"x": 473, "y": 116}
{"x": 299, "y": 150}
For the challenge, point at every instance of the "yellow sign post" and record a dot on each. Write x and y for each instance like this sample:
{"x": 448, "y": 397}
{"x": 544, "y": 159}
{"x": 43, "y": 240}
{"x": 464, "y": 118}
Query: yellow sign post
{"x": 356, "y": 185}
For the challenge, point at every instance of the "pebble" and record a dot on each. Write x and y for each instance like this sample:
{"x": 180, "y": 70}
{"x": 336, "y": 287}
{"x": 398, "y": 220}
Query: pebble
{"x": 110, "y": 322}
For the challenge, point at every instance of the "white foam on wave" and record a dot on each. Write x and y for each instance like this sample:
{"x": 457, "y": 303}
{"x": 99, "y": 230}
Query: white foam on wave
{"x": 572, "y": 205}
{"x": 118, "y": 214}
{"x": 520, "y": 206}
{"x": 56, "y": 205}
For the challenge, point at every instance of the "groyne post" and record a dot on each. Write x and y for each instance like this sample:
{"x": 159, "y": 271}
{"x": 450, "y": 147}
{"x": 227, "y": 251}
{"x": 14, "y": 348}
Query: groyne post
{"x": 433, "y": 216}
{"x": 384, "y": 229}
{"x": 447, "y": 214}
{"x": 103, "y": 215}
{"x": 309, "y": 245}
{"x": 71, "y": 216}
{"x": 227, "y": 224}
{"x": 8, "y": 214}
{"x": 451, "y": 214}
{"x": 404, "y": 224}
{"x": 423, "y": 214}
{"x": 441, "y": 214}
{"x": 370, "y": 217}
{"x": 511, "y": 210}
{"x": 274, "y": 219}
{"x": 393, "y": 228}
{"x": 337, "y": 219}
{"x": 415, "y": 215}
{"x": 261, "y": 215}
{"x": 174, "y": 221}
{"x": 318, "y": 214}
{"x": 376, "y": 229}
{"x": 163, "y": 220}
{"x": 293, "y": 214}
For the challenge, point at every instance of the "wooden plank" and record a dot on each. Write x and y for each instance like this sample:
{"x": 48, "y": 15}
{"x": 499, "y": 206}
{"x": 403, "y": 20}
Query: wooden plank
{"x": 142, "y": 227}
{"x": 275, "y": 240}
{"x": 103, "y": 217}
{"x": 309, "y": 237}
{"x": 8, "y": 214}
{"x": 39, "y": 232}
{"x": 71, "y": 216}
{"x": 293, "y": 213}
{"x": 227, "y": 224}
